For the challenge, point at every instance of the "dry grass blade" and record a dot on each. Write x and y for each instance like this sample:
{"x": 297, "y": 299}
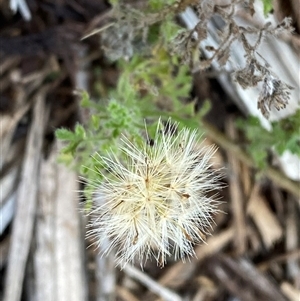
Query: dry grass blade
{"x": 236, "y": 194}
{"x": 292, "y": 240}
{"x": 180, "y": 271}
{"x": 276, "y": 176}
{"x": 125, "y": 294}
{"x": 8, "y": 124}
{"x": 291, "y": 292}
{"x": 151, "y": 284}
{"x": 45, "y": 232}
{"x": 266, "y": 222}
{"x": 68, "y": 257}
{"x": 26, "y": 204}
{"x": 4, "y": 248}
{"x": 292, "y": 255}
{"x": 243, "y": 280}
{"x": 58, "y": 258}
{"x": 106, "y": 277}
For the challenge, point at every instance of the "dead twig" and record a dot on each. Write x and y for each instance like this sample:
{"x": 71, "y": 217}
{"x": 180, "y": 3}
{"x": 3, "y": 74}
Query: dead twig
{"x": 152, "y": 285}
{"x": 26, "y": 203}
{"x": 273, "y": 174}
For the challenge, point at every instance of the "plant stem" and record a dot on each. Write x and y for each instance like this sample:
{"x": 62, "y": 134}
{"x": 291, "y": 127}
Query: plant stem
{"x": 273, "y": 174}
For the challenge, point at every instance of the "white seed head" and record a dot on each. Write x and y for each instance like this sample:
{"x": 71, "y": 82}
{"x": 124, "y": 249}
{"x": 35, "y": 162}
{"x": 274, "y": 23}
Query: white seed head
{"x": 155, "y": 203}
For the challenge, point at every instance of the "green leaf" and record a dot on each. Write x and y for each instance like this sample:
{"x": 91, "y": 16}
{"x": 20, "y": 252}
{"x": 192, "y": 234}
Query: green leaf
{"x": 284, "y": 136}
{"x": 95, "y": 121}
{"x": 64, "y": 134}
{"x": 79, "y": 131}
{"x": 85, "y": 100}
{"x": 268, "y": 6}
{"x": 113, "y": 2}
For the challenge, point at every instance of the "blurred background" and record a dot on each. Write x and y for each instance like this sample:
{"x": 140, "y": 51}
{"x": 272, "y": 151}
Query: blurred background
{"x": 253, "y": 253}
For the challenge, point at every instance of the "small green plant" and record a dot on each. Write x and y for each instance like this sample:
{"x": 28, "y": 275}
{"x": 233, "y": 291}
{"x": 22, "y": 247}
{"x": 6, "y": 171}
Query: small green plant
{"x": 101, "y": 133}
{"x": 268, "y": 6}
{"x": 185, "y": 43}
{"x": 155, "y": 57}
{"x": 152, "y": 183}
{"x": 285, "y": 135}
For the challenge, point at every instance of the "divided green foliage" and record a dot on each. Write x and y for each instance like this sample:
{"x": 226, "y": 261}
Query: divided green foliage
{"x": 159, "y": 82}
{"x": 154, "y": 83}
{"x": 159, "y": 4}
{"x": 158, "y": 79}
{"x": 285, "y": 135}
{"x": 130, "y": 105}
{"x": 268, "y": 6}
{"x": 147, "y": 89}
{"x": 99, "y": 134}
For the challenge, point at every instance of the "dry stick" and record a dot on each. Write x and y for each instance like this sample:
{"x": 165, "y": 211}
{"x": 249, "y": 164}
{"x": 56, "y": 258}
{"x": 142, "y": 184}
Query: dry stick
{"x": 43, "y": 257}
{"x": 179, "y": 273}
{"x": 292, "y": 240}
{"x": 68, "y": 239}
{"x": 152, "y": 285}
{"x": 8, "y": 124}
{"x": 9, "y": 64}
{"x": 265, "y": 220}
{"x": 4, "y": 248}
{"x": 26, "y": 204}
{"x": 105, "y": 271}
{"x": 241, "y": 278}
{"x": 291, "y": 255}
{"x": 237, "y": 199}
{"x": 125, "y": 294}
{"x": 105, "y": 275}
{"x": 273, "y": 174}
{"x": 246, "y": 180}
{"x": 58, "y": 258}
{"x": 291, "y": 292}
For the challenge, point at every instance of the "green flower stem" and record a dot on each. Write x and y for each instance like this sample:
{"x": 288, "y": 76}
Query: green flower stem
{"x": 273, "y": 174}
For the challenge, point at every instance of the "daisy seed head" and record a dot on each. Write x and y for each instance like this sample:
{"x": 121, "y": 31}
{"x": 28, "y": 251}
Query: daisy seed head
{"x": 154, "y": 203}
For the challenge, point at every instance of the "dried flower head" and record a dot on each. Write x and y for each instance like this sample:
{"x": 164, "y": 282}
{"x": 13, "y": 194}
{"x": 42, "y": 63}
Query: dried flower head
{"x": 117, "y": 41}
{"x": 155, "y": 203}
{"x": 247, "y": 77}
{"x": 274, "y": 93}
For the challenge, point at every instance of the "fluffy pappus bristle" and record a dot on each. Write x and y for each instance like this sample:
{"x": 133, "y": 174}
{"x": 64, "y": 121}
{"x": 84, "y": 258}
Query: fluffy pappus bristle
{"x": 154, "y": 203}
